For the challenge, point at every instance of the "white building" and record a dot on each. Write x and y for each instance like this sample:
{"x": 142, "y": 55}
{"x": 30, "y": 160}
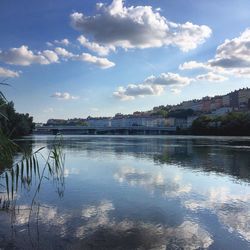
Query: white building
{"x": 99, "y": 122}
{"x": 132, "y": 121}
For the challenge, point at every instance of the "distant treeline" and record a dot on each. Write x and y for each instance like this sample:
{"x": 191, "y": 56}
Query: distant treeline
{"x": 234, "y": 123}
{"x": 13, "y": 124}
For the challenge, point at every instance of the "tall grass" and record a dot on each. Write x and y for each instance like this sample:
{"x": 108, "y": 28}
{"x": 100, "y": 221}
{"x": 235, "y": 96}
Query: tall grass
{"x": 31, "y": 169}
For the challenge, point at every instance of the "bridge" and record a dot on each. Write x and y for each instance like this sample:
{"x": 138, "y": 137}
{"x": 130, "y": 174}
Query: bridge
{"x": 87, "y": 130}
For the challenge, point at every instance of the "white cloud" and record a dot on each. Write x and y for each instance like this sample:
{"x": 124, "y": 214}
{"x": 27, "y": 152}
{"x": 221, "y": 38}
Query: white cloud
{"x": 24, "y": 57}
{"x": 168, "y": 79}
{"x": 211, "y": 77}
{"x": 63, "y": 53}
{"x": 64, "y": 96}
{"x": 192, "y": 65}
{"x": 137, "y": 27}
{"x": 8, "y": 73}
{"x": 50, "y": 55}
{"x": 153, "y": 85}
{"x": 231, "y": 58}
{"x": 49, "y": 44}
{"x": 176, "y": 91}
{"x": 101, "y": 62}
{"x": 95, "y": 47}
{"x": 63, "y": 42}
{"x": 139, "y": 90}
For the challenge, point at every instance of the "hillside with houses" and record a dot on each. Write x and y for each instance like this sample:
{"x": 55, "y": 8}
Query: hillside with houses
{"x": 180, "y": 116}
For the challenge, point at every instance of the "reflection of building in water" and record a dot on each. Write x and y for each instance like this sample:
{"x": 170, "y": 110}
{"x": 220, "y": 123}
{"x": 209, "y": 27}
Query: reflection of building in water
{"x": 218, "y": 157}
{"x": 228, "y": 157}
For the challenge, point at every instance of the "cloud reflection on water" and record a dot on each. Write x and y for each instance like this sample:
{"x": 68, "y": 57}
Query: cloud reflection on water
{"x": 153, "y": 182}
{"x": 103, "y": 230}
{"x": 231, "y": 209}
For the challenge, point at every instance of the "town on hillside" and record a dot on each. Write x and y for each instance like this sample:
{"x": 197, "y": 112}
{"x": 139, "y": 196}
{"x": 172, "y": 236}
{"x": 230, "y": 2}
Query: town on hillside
{"x": 179, "y": 116}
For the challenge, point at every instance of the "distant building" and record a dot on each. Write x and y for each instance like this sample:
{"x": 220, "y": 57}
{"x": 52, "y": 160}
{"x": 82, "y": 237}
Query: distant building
{"x": 38, "y": 124}
{"x": 197, "y": 106}
{"x": 226, "y": 100}
{"x": 132, "y": 121}
{"x": 244, "y": 98}
{"x": 99, "y": 122}
{"x": 206, "y": 104}
{"x": 216, "y": 103}
{"x": 181, "y": 123}
{"x": 234, "y": 100}
{"x": 170, "y": 122}
{"x": 222, "y": 111}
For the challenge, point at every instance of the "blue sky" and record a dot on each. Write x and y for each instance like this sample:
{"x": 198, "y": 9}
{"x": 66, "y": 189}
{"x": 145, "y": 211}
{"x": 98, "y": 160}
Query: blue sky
{"x": 76, "y": 58}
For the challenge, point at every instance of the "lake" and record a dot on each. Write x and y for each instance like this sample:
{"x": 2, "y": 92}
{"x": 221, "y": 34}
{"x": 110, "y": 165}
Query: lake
{"x": 131, "y": 192}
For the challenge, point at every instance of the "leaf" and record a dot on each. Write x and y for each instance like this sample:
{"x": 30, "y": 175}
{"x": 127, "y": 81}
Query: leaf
{"x": 5, "y": 84}
{"x": 3, "y": 96}
{"x": 38, "y": 150}
{"x": 12, "y": 183}
{"x": 4, "y": 116}
{"x": 17, "y": 176}
{"x": 7, "y": 184}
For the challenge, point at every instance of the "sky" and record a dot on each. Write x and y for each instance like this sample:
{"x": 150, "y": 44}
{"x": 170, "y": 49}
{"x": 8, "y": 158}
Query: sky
{"x": 66, "y": 59}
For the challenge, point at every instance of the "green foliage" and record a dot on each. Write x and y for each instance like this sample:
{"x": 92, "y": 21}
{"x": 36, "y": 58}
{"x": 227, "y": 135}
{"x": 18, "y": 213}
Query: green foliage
{"x": 181, "y": 113}
{"x": 161, "y": 111}
{"x": 13, "y": 124}
{"x": 234, "y": 123}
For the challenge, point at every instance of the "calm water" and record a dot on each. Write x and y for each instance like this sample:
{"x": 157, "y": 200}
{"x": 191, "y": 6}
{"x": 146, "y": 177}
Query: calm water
{"x": 136, "y": 193}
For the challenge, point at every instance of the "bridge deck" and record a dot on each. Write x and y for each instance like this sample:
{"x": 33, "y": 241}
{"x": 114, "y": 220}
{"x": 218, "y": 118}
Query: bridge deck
{"x": 87, "y": 128}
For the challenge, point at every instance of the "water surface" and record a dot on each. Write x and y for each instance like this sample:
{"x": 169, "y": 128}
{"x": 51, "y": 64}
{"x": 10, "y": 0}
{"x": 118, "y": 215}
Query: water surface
{"x": 135, "y": 192}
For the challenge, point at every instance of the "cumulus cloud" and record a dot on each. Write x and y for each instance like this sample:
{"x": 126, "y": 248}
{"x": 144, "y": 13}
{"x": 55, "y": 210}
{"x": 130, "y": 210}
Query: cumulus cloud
{"x": 137, "y": 27}
{"x": 95, "y": 47}
{"x": 168, "y": 79}
{"x": 24, "y": 57}
{"x": 211, "y": 77}
{"x": 64, "y": 42}
{"x": 153, "y": 85}
{"x": 176, "y": 91}
{"x": 192, "y": 65}
{"x": 232, "y": 57}
{"x": 64, "y": 96}
{"x": 63, "y": 53}
{"x": 137, "y": 90}
{"x": 101, "y": 62}
{"x": 8, "y": 73}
